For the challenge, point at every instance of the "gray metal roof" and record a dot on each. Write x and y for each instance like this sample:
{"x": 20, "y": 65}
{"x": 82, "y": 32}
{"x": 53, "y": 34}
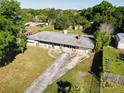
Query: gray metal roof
{"x": 65, "y": 39}
{"x": 120, "y": 37}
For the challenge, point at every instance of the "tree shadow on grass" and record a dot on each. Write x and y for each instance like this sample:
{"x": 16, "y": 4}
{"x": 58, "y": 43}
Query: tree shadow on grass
{"x": 113, "y": 42}
{"x": 9, "y": 58}
{"x": 97, "y": 66}
{"x": 96, "y": 69}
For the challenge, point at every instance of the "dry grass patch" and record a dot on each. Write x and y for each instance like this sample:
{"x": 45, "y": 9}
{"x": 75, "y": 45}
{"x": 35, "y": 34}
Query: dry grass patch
{"x": 17, "y": 76}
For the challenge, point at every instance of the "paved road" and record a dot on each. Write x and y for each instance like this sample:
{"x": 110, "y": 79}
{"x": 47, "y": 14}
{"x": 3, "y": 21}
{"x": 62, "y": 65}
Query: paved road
{"x": 61, "y": 65}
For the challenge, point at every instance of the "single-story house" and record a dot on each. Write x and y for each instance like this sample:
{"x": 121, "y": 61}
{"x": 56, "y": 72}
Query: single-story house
{"x": 32, "y": 24}
{"x": 120, "y": 40}
{"x": 65, "y": 42}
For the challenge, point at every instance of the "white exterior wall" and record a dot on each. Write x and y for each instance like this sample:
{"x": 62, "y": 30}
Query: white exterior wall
{"x": 42, "y": 45}
{"x": 57, "y": 47}
{"x": 120, "y": 45}
{"x": 68, "y": 50}
{"x": 80, "y": 51}
{"x": 64, "y": 49}
{"x": 31, "y": 43}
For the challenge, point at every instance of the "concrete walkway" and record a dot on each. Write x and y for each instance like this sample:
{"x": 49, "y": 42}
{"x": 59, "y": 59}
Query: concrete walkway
{"x": 61, "y": 65}
{"x": 52, "y": 52}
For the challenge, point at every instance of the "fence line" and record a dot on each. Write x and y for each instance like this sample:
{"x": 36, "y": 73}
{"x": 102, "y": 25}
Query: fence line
{"x": 113, "y": 78}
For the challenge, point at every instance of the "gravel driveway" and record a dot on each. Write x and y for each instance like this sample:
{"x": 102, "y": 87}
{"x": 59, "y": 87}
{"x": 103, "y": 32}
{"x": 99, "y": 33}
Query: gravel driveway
{"x": 59, "y": 67}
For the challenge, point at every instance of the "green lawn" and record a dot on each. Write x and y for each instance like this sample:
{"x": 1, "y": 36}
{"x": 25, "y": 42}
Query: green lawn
{"x": 79, "y": 76}
{"x": 17, "y": 76}
{"x": 71, "y": 31}
{"x": 51, "y": 28}
{"x": 114, "y": 89}
{"x": 116, "y": 65}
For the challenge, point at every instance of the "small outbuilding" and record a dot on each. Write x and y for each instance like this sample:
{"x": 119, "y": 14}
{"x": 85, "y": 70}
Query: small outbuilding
{"x": 33, "y": 24}
{"x": 65, "y": 42}
{"x": 120, "y": 40}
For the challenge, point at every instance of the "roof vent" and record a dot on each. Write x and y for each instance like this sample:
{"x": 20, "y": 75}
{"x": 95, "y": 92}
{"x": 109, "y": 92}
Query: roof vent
{"x": 77, "y": 37}
{"x": 65, "y": 31}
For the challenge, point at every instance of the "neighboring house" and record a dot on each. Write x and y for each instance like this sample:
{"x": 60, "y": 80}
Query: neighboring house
{"x": 78, "y": 27}
{"x": 65, "y": 42}
{"x": 33, "y": 24}
{"x": 120, "y": 40}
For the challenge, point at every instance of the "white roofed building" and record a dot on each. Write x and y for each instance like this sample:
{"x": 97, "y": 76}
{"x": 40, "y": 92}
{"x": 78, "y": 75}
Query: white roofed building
{"x": 33, "y": 24}
{"x": 120, "y": 40}
{"x": 65, "y": 42}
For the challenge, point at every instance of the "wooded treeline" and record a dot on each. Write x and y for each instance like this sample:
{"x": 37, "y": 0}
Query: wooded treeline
{"x": 12, "y": 40}
{"x": 13, "y": 18}
{"x": 89, "y": 18}
{"x": 102, "y": 20}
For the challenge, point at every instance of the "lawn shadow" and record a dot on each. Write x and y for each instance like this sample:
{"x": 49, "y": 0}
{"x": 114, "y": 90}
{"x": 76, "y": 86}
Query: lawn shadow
{"x": 113, "y": 42}
{"x": 9, "y": 58}
{"x": 96, "y": 70}
{"x": 97, "y": 66}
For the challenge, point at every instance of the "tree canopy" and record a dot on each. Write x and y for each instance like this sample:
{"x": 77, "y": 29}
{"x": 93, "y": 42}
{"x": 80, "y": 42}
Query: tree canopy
{"x": 11, "y": 28}
{"x": 91, "y": 17}
{"x": 12, "y": 19}
{"x": 102, "y": 39}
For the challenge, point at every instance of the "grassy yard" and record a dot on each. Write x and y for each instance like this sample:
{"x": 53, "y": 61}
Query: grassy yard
{"x": 76, "y": 32}
{"x": 79, "y": 76}
{"x": 39, "y": 29}
{"x": 17, "y": 76}
{"x": 51, "y": 28}
{"x": 72, "y": 31}
{"x": 115, "y": 65}
{"x": 115, "y": 89}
